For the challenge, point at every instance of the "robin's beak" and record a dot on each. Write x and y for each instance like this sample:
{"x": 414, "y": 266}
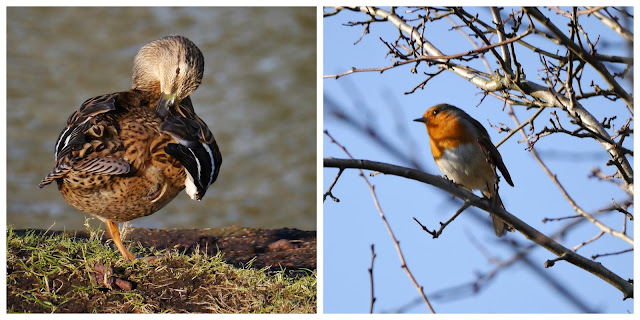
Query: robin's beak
{"x": 420, "y": 120}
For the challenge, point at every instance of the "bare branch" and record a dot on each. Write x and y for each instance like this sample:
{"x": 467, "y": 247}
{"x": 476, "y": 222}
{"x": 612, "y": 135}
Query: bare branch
{"x": 529, "y": 232}
{"x": 386, "y": 223}
{"x": 614, "y": 25}
{"x": 564, "y": 192}
{"x": 585, "y": 56}
{"x": 543, "y": 96}
{"x": 435, "y": 59}
{"x": 506, "y": 56}
{"x": 335, "y": 11}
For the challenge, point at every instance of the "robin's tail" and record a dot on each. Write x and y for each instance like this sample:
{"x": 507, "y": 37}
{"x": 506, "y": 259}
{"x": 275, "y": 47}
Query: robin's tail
{"x": 499, "y": 227}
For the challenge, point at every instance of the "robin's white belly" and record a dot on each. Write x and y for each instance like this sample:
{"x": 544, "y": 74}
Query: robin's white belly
{"x": 467, "y": 165}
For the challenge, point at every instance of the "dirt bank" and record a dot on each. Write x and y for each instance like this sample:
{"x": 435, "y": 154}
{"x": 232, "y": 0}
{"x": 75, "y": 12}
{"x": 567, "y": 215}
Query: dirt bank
{"x": 198, "y": 270}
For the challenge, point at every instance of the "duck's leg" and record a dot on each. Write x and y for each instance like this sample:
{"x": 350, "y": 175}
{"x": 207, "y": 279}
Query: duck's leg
{"x": 114, "y": 233}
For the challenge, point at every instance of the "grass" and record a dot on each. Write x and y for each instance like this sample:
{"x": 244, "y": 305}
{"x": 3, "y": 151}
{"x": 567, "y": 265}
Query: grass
{"x": 52, "y": 272}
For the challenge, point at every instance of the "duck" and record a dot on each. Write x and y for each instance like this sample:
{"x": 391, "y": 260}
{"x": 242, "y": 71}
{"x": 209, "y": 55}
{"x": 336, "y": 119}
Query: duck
{"x": 125, "y": 155}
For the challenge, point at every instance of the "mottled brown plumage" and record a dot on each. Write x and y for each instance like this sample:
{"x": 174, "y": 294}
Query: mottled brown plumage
{"x": 125, "y": 155}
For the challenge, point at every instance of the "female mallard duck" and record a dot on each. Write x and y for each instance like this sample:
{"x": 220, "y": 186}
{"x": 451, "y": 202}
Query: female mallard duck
{"x": 125, "y": 155}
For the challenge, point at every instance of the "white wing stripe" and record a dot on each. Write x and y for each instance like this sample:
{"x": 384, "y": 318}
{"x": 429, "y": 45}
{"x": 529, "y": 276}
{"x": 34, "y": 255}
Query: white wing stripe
{"x": 213, "y": 164}
{"x": 65, "y": 142}
{"x": 197, "y": 162}
{"x": 68, "y": 137}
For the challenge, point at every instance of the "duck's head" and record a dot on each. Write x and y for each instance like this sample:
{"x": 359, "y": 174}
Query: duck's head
{"x": 173, "y": 64}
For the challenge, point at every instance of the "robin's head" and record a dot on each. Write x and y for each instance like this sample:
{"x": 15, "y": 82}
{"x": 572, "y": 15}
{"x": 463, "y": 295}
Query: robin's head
{"x": 440, "y": 115}
{"x": 450, "y": 125}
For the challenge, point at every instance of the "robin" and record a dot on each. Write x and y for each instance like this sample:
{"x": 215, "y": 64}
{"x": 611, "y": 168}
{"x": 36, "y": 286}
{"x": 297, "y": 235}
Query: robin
{"x": 464, "y": 153}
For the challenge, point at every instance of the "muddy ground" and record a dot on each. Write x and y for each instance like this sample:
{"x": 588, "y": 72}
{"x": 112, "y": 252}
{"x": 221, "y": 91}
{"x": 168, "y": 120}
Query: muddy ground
{"x": 290, "y": 248}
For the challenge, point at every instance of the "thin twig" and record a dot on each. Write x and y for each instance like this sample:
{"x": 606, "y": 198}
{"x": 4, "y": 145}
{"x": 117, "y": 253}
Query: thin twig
{"x": 545, "y": 220}
{"x": 464, "y": 34}
{"x": 596, "y": 256}
{"x": 388, "y": 226}
{"x": 584, "y": 243}
{"x": 373, "y": 297}
{"x": 437, "y": 233}
{"x": 520, "y": 126}
{"x": 433, "y": 58}
{"x": 329, "y": 191}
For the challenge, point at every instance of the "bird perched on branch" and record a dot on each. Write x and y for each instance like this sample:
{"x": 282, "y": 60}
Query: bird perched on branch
{"x": 125, "y": 155}
{"x": 464, "y": 153}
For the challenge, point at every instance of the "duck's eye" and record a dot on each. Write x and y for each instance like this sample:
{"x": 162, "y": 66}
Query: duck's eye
{"x": 178, "y": 71}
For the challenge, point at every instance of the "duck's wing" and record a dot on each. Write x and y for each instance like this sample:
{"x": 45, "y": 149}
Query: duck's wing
{"x": 196, "y": 149}
{"x": 83, "y": 145}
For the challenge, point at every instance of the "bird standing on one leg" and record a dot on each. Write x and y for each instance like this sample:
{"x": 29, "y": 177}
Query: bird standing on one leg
{"x": 463, "y": 151}
{"x": 126, "y": 155}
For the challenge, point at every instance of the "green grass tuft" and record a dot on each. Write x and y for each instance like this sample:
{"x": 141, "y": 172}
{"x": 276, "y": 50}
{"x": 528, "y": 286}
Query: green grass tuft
{"x": 51, "y": 272}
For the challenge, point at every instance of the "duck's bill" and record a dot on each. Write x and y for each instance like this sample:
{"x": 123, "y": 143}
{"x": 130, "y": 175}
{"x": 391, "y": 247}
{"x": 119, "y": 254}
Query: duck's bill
{"x": 166, "y": 101}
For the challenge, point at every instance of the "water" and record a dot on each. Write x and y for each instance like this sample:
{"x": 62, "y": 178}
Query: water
{"x": 258, "y": 97}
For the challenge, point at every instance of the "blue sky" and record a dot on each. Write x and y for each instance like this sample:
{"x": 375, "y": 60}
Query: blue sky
{"x": 468, "y": 247}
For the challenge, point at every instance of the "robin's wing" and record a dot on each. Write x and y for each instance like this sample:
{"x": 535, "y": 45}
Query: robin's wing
{"x": 196, "y": 149}
{"x": 82, "y": 146}
{"x": 492, "y": 152}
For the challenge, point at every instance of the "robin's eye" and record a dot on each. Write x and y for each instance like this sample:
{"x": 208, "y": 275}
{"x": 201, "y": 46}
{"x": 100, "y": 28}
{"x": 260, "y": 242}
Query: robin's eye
{"x": 435, "y": 112}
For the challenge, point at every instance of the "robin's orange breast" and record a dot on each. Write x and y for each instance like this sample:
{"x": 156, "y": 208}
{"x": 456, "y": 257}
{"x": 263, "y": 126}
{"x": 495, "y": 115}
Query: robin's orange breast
{"x": 446, "y": 132}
